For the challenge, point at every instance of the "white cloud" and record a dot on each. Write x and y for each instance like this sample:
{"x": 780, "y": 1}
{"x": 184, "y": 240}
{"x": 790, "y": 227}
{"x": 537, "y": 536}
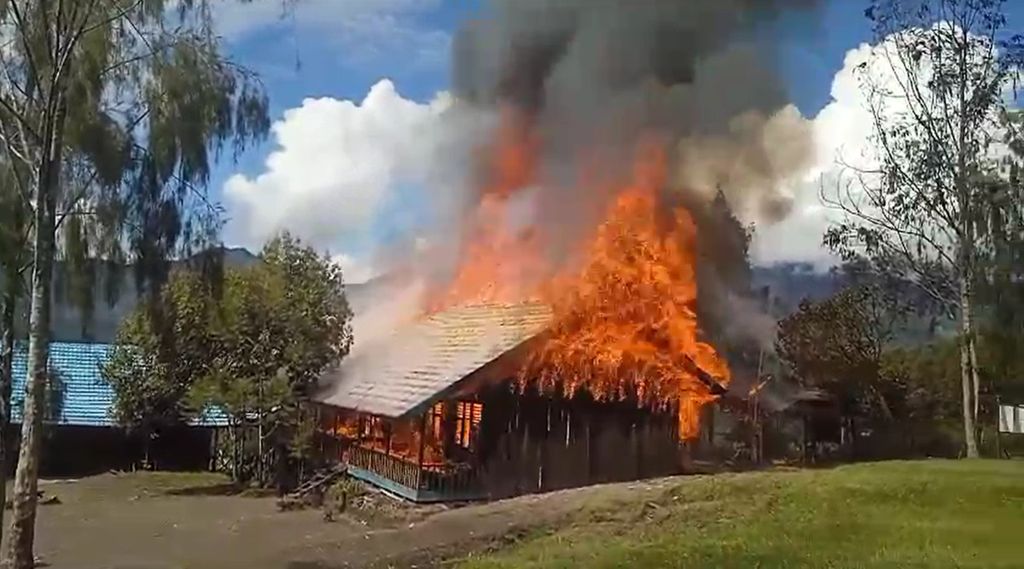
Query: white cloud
{"x": 338, "y": 169}
{"x": 842, "y": 130}
{"x": 353, "y": 269}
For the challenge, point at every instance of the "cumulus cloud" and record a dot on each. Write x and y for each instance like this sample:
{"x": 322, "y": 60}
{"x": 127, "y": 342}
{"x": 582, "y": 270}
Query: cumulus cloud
{"x": 842, "y": 132}
{"x": 845, "y": 154}
{"x": 339, "y": 167}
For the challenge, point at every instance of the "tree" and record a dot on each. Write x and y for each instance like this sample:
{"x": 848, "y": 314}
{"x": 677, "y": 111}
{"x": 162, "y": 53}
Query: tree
{"x": 252, "y": 349}
{"x": 158, "y": 355}
{"x": 280, "y": 325}
{"x": 109, "y": 114}
{"x": 13, "y": 242}
{"x": 1001, "y": 291}
{"x": 838, "y": 345}
{"x": 930, "y": 374}
{"x": 935, "y": 89}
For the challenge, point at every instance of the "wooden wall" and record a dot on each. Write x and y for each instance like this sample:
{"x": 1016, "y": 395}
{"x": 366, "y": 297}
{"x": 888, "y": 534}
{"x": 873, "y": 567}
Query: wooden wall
{"x": 531, "y": 443}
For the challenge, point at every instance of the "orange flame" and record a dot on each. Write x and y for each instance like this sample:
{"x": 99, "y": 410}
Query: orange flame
{"x": 499, "y": 263}
{"x": 625, "y": 324}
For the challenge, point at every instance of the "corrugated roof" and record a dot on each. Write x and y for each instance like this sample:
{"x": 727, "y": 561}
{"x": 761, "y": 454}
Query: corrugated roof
{"x": 85, "y": 398}
{"x": 422, "y": 359}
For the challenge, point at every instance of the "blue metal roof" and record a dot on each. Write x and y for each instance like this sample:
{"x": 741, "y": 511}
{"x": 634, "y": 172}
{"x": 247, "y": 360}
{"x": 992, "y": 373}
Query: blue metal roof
{"x": 84, "y": 398}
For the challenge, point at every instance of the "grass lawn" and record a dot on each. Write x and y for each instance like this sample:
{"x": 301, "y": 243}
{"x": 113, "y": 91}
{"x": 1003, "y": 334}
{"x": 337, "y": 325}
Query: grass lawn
{"x": 928, "y": 514}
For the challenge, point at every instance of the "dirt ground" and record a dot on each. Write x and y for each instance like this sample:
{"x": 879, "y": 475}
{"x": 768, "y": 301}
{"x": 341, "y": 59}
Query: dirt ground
{"x": 165, "y": 521}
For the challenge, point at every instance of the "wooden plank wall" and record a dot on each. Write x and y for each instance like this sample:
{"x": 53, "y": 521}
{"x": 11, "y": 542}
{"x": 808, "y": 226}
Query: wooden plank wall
{"x": 530, "y": 443}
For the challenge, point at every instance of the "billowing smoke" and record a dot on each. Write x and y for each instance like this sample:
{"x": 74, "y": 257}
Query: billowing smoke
{"x": 588, "y": 77}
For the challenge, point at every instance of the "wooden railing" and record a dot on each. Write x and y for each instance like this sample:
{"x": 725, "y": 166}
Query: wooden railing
{"x": 390, "y": 467}
{"x": 449, "y": 480}
{"x": 453, "y": 480}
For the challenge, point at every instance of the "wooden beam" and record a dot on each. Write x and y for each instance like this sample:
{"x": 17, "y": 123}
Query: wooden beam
{"x": 423, "y": 438}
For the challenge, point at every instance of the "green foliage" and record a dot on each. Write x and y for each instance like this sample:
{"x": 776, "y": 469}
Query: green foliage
{"x": 931, "y": 377}
{"x": 838, "y": 345}
{"x": 160, "y": 350}
{"x": 936, "y": 203}
{"x": 280, "y": 323}
{"x": 55, "y": 393}
{"x": 90, "y": 88}
{"x": 149, "y": 102}
{"x": 930, "y": 204}
{"x": 253, "y": 350}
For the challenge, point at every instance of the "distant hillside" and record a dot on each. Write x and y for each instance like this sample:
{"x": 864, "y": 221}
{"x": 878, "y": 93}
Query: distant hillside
{"x": 788, "y": 284}
{"x": 68, "y": 324}
{"x": 361, "y": 296}
{"x": 791, "y": 283}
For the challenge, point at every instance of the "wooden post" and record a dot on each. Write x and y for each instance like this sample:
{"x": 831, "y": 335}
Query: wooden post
{"x": 448, "y": 422}
{"x": 803, "y": 450}
{"x": 637, "y": 450}
{"x": 419, "y": 454}
{"x": 999, "y": 444}
{"x": 590, "y": 444}
{"x": 423, "y": 435}
{"x": 213, "y": 449}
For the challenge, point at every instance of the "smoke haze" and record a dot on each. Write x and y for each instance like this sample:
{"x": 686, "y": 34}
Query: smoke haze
{"x": 587, "y": 78}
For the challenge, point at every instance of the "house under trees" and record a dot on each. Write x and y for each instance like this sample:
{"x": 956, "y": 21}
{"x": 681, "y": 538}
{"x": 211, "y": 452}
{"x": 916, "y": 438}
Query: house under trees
{"x": 81, "y": 434}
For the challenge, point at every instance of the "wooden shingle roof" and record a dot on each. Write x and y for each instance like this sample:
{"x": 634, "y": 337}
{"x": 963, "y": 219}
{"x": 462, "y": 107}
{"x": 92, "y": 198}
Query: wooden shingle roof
{"x": 428, "y": 356}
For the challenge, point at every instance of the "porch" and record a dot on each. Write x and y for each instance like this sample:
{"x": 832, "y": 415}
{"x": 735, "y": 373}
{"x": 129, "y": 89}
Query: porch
{"x": 430, "y": 458}
{"x": 417, "y": 483}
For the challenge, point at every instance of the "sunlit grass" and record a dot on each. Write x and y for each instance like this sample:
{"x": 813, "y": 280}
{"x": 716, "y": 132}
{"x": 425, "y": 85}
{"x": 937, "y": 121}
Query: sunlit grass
{"x": 896, "y": 514}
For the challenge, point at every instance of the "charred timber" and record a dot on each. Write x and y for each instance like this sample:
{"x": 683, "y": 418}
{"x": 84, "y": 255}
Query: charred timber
{"x": 713, "y": 385}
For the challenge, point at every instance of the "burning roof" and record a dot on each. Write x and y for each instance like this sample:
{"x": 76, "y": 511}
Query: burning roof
{"x": 423, "y": 359}
{"x": 586, "y": 212}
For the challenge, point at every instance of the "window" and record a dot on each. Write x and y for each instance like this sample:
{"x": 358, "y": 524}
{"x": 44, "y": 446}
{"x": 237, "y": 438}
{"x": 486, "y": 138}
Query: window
{"x": 435, "y": 420}
{"x": 467, "y": 420}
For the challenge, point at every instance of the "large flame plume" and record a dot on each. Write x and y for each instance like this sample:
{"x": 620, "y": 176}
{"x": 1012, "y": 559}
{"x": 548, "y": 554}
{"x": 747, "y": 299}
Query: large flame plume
{"x": 500, "y": 262}
{"x": 625, "y": 323}
{"x": 625, "y": 326}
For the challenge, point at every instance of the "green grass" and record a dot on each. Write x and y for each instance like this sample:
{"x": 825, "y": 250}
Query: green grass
{"x": 927, "y": 514}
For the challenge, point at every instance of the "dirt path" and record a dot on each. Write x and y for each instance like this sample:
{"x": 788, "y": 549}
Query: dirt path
{"x": 459, "y": 531}
{"x": 101, "y": 525}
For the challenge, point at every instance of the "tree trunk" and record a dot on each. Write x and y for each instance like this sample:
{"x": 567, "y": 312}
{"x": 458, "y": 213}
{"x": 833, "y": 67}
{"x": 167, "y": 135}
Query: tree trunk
{"x": 968, "y": 369}
{"x": 975, "y": 371}
{"x": 12, "y": 286}
{"x": 6, "y": 380}
{"x": 19, "y": 549}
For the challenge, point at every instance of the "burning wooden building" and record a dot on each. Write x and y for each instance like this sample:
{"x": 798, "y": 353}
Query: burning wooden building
{"x": 439, "y": 413}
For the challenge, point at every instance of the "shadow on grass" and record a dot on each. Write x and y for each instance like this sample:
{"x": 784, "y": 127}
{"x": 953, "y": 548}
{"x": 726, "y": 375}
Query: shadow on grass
{"x": 224, "y": 489}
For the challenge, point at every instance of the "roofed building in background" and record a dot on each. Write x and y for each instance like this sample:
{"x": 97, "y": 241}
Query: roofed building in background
{"x": 433, "y": 413}
{"x": 78, "y": 415}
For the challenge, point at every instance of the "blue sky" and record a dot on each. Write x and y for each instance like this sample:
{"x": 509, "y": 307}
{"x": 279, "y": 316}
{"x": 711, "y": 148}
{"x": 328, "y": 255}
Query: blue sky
{"x": 297, "y": 60}
{"x": 341, "y": 48}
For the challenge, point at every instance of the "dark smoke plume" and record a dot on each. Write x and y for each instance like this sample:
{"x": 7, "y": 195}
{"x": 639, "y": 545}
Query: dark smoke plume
{"x": 591, "y": 75}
